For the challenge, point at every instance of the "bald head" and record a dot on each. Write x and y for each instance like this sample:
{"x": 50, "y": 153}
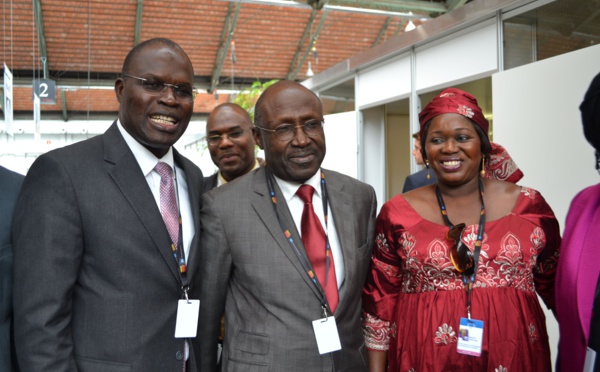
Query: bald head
{"x": 229, "y": 134}
{"x": 289, "y": 118}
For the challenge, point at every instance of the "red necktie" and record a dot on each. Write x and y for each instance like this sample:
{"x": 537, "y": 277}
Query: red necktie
{"x": 314, "y": 239}
{"x": 168, "y": 201}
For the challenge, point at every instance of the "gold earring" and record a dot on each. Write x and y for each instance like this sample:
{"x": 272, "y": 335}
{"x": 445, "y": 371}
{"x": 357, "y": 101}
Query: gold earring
{"x": 427, "y": 166}
{"x": 483, "y": 165}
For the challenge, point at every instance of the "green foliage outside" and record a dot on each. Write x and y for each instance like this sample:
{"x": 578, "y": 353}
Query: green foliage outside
{"x": 247, "y": 97}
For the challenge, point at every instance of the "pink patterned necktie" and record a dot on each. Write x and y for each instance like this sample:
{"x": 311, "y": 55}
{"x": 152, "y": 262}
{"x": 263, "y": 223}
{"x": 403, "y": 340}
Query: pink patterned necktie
{"x": 168, "y": 200}
{"x": 315, "y": 243}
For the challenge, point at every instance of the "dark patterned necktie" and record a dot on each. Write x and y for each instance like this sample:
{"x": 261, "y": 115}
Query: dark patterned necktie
{"x": 168, "y": 201}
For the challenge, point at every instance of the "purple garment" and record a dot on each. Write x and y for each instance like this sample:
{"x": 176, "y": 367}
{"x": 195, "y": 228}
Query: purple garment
{"x": 578, "y": 270}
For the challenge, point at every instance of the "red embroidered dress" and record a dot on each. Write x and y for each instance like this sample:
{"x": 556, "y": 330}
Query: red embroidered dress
{"x": 414, "y": 299}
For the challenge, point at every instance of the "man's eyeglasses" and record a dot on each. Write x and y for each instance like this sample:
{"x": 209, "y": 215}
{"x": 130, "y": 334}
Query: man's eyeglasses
{"x": 286, "y": 131}
{"x": 460, "y": 255}
{"x": 233, "y": 136}
{"x": 181, "y": 92}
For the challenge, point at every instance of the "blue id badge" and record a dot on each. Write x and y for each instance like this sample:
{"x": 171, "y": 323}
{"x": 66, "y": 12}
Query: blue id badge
{"x": 470, "y": 337}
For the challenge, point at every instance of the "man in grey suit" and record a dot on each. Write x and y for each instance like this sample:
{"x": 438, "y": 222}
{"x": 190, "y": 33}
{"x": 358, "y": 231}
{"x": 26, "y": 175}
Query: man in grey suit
{"x": 281, "y": 312}
{"x": 100, "y": 274}
{"x": 10, "y": 184}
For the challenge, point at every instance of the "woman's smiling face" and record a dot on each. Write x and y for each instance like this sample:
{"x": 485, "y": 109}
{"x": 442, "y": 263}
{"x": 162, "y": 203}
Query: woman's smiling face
{"x": 453, "y": 149}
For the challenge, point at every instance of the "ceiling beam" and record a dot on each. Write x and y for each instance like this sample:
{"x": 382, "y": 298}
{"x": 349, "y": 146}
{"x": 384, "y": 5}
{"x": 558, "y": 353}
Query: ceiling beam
{"x": 63, "y": 98}
{"x": 453, "y": 4}
{"x": 226, "y": 36}
{"x": 138, "y": 21}
{"x": 306, "y": 33}
{"x": 39, "y": 24}
{"x": 292, "y": 75}
{"x": 363, "y": 6}
{"x": 382, "y": 31}
{"x": 417, "y": 6}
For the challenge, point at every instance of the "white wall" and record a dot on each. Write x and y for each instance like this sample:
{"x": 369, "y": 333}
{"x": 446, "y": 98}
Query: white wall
{"x": 458, "y": 58}
{"x": 341, "y": 141}
{"x": 373, "y": 154}
{"x": 384, "y": 82}
{"x": 536, "y": 117}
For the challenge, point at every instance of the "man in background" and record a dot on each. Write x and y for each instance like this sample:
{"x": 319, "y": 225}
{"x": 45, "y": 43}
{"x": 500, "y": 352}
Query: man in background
{"x": 107, "y": 234}
{"x": 10, "y": 183}
{"x": 423, "y": 177}
{"x": 287, "y": 250}
{"x": 230, "y": 140}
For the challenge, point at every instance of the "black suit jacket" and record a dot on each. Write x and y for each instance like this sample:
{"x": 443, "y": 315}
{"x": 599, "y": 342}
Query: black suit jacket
{"x": 210, "y": 182}
{"x": 419, "y": 179}
{"x": 96, "y": 285}
{"x": 10, "y": 183}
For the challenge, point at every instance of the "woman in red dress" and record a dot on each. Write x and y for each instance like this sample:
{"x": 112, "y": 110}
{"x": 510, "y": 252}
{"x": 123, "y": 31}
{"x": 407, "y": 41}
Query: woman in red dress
{"x": 457, "y": 264}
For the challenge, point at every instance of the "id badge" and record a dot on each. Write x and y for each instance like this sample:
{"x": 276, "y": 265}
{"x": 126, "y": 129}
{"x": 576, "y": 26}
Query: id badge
{"x": 186, "y": 325}
{"x": 470, "y": 337}
{"x": 327, "y": 336}
{"x": 590, "y": 360}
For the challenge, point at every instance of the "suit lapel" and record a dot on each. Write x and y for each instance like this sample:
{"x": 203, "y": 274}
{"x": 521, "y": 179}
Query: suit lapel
{"x": 127, "y": 175}
{"x": 343, "y": 217}
{"x": 261, "y": 201}
{"x": 194, "y": 183}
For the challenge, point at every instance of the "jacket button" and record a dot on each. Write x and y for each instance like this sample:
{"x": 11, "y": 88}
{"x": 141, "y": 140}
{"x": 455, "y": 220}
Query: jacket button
{"x": 179, "y": 355}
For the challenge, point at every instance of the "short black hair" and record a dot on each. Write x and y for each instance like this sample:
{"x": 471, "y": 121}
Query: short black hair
{"x": 150, "y": 42}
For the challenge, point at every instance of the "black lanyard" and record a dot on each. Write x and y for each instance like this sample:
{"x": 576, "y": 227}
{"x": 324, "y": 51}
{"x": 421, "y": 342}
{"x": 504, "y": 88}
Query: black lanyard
{"x": 288, "y": 236}
{"x": 468, "y": 280}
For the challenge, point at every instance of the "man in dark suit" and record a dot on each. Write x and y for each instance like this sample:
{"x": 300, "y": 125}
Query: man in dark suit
{"x": 423, "y": 177}
{"x": 257, "y": 266}
{"x": 10, "y": 184}
{"x": 230, "y": 140}
{"x": 106, "y": 233}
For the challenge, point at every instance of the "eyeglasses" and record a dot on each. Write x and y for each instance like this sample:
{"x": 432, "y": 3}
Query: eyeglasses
{"x": 233, "y": 136}
{"x": 181, "y": 92}
{"x": 460, "y": 255}
{"x": 286, "y": 131}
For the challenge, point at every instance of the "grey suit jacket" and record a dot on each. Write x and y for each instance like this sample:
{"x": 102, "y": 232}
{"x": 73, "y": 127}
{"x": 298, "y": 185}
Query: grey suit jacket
{"x": 251, "y": 271}
{"x": 96, "y": 284}
{"x": 10, "y": 183}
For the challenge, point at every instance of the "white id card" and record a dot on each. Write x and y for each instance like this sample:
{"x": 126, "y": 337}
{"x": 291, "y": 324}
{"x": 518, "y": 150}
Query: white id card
{"x": 590, "y": 360}
{"x": 470, "y": 337}
{"x": 187, "y": 318}
{"x": 327, "y": 336}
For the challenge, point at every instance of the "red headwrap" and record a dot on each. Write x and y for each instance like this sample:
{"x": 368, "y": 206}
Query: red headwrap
{"x": 500, "y": 166}
{"x": 454, "y": 101}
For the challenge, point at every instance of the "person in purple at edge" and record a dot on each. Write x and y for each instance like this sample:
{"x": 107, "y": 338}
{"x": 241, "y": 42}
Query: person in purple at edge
{"x": 579, "y": 265}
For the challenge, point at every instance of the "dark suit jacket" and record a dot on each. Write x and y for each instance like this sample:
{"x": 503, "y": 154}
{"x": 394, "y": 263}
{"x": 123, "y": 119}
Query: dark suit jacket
{"x": 251, "y": 271}
{"x": 210, "y": 182}
{"x": 96, "y": 285}
{"x": 10, "y": 183}
{"x": 419, "y": 179}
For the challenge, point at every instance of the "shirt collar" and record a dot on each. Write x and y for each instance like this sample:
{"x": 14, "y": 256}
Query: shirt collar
{"x": 146, "y": 160}
{"x": 289, "y": 188}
